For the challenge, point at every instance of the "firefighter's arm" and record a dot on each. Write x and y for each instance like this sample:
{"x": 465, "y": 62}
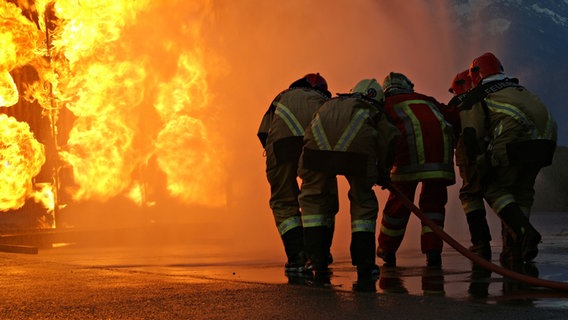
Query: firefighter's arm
{"x": 264, "y": 127}
{"x": 388, "y": 137}
{"x": 472, "y": 149}
{"x": 473, "y": 130}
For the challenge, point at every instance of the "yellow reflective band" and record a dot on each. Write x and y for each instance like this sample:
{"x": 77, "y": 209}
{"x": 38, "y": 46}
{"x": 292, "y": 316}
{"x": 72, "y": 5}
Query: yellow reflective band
{"x": 447, "y": 129}
{"x": 414, "y": 130}
{"x": 319, "y": 134}
{"x": 515, "y": 113}
{"x": 436, "y": 216}
{"x": 391, "y": 232}
{"x": 502, "y": 202}
{"x": 472, "y": 205}
{"x": 288, "y": 224}
{"x": 423, "y": 175}
{"x": 426, "y": 229}
{"x": 363, "y": 226}
{"x": 352, "y": 129}
{"x": 289, "y": 118}
{"x": 549, "y": 130}
{"x": 316, "y": 220}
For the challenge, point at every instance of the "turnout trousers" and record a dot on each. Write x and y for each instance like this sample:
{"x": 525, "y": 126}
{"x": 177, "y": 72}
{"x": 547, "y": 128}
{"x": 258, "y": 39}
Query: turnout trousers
{"x": 432, "y": 201}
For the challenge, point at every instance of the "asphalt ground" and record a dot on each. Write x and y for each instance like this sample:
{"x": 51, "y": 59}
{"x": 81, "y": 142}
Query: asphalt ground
{"x": 131, "y": 280}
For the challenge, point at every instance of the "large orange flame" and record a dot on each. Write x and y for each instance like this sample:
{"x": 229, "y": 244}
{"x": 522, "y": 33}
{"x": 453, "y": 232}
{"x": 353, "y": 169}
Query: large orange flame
{"x": 137, "y": 88}
{"x": 19, "y": 39}
{"x": 21, "y": 158}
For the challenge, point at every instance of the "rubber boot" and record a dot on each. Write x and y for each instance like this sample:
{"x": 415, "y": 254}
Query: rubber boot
{"x": 363, "y": 257}
{"x": 315, "y": 243}
{"x": 511, "y": 255}
{"x": 434, "y": 259}
{"x": 293, "y": 241}
{"x": 480, "y": 234}
{"x": 522, "y": 231}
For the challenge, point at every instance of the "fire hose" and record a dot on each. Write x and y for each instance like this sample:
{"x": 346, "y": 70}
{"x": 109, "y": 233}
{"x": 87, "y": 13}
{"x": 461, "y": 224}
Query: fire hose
{"x": 537, "y": 282}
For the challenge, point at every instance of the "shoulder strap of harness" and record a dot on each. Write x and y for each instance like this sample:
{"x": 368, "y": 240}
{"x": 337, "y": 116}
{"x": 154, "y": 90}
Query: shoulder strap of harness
{"x": 479, "y": 93}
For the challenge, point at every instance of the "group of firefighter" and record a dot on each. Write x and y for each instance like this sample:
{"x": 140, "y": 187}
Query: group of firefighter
{"x": 391, "y": 136}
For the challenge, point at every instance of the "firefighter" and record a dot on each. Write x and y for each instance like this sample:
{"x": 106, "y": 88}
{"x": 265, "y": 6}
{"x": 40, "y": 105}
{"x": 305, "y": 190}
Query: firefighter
{"x": 510, "y": 135}
{"x": 349, "y": 136}
{"x": 424, "y": 155}
{"x": 281, "y": 133}
{"x": 471, "y": 193}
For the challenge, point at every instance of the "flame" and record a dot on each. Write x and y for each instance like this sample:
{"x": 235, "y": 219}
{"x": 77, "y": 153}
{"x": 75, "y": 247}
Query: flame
{"x": 21, "y": 158}
{"x": 19, "y": 40}
{"x": 44, "y": 194}
{"x": 135, "y": 78}
{"x": 8, "y": 90}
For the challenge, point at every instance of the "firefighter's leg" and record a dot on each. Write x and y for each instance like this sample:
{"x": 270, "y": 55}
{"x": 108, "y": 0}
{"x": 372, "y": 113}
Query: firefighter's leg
{"x": 480, "y": 234}
{"x": 364, "y": 209}
{"x": 524, "y": 197}
{"x": 471, "y": 197}
{"x": 522, "y": 230}
{"x": 314, "y": 200}
{"x": 293, "y": 240}
{"x": 315, "y": 243}
{"x": 511, "y": 255}
{"x": 500, "y": 195}
{"x": 333, "y": 200}
{"x": 433, "y": 199}
{"x": 363, "y": 257}
{"x": 286, "y": 210}
{"x": 394, "y": 222}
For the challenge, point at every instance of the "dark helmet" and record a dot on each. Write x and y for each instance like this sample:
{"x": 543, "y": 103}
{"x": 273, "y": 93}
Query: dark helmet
{"x": 461, "y": 83}
{"x": 316, "y": 81}
{"x": 484, "y": 66}
{"x": 397, "y": 80}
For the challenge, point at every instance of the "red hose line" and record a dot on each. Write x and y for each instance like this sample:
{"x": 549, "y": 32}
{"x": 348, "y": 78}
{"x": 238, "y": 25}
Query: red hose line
{"x": 537, "y": 282}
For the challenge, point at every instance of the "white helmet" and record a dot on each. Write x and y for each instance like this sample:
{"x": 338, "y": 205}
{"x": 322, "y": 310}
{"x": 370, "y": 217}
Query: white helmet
{"x": 370, "y": 88}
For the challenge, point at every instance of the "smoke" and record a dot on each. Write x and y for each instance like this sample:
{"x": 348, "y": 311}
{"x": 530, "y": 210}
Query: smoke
{"x": 267, "y": 45}
{"x": 186, "y": 84}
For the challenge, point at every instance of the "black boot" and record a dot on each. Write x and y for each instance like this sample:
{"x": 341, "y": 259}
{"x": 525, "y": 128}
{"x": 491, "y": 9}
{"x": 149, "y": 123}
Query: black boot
{"x": 293, "y": 241}
{"x": 363, "y": 257}
{"x": 480, "y": 234}
{"x": 434, "y": 259}
{"x": 511, "y": 255}
{"x": 315, "y": 244}
{"x": 522, "y": 231}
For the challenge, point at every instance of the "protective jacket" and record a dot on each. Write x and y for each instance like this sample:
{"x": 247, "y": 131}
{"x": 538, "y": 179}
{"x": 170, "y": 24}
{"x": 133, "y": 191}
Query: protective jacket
{"x": 281, "y": 130}
{"x": 426, "y": 148}
{"x": 508, "y": 125}
{"x": 350, "y": 135}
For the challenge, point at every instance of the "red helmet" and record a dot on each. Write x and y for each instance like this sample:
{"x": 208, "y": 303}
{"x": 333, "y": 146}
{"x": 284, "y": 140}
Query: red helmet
{"x": 484, "y": 66}
{"x": 461, "y": 83}
{"x": 316, "y": 81}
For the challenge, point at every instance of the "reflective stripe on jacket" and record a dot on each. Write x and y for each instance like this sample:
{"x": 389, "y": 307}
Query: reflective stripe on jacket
{"x": 351, "y": 125}
{"x": 282, "y": 128}
{"x": 514, "y": 114}
{"x": 425, "y": 150}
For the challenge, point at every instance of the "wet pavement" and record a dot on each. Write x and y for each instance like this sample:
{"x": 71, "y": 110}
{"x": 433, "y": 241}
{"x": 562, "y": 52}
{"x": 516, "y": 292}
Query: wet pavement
{"x": 201, "y": 280}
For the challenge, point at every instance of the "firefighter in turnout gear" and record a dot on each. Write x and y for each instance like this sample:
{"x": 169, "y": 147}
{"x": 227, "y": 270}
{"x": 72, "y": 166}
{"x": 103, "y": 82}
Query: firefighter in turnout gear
{"x": 424, "y": 155}
{"x": 510, "y": 135}
{"x": 471, "y": 191}
{"x": 350, "y": 136}
{"x": 281, "y": 133}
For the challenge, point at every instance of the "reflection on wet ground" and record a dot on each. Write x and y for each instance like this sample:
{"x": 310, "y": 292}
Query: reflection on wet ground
{"x": 456, "y": 280}
{"x": 200, "y": 261}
